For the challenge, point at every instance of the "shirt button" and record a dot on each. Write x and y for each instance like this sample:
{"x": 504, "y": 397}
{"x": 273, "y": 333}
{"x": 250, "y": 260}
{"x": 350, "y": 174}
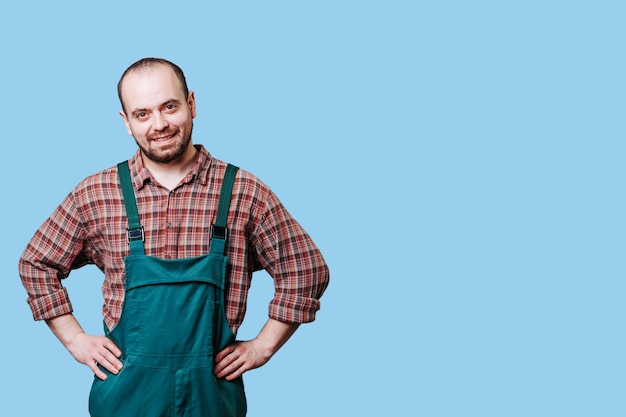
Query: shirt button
{"x": 168, "y": 257}
{"x": 168, "y": 225}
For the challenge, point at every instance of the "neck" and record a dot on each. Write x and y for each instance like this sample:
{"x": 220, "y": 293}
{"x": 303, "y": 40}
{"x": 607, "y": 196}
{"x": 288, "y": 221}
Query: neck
{"x": 169, "y": 174}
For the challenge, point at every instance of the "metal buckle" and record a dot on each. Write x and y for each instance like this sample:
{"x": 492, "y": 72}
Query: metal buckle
{"x": 135, "y": 234}
{"x": 219, "y": 232}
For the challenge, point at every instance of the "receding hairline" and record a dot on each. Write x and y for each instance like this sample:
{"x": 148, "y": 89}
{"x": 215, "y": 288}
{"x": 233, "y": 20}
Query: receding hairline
{"x": 146, "y": 64}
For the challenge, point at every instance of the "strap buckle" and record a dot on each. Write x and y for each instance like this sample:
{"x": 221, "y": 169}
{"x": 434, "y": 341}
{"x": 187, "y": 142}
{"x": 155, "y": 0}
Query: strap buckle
{"x": 219, "y": 232}
{"x": 135, "y": 234}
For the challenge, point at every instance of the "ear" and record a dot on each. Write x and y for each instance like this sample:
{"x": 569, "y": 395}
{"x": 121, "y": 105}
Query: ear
{"x": 191, "y": 102}
{"x": 125, "y": 118}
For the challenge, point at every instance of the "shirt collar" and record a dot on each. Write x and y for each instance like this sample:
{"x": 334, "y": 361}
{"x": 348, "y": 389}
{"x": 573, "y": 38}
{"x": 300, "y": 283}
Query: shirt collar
{"x": 200, "y": 171}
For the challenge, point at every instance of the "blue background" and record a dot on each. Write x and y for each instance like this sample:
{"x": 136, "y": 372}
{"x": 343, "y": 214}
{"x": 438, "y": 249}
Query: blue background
{"x": 460, "y": 164}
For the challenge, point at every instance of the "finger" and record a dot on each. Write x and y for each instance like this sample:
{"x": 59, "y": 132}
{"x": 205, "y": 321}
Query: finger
{"x": 223, "y": 364}
{"x": 113, "y": 359}
{"x": 231, "y": 367}
{"x": 234, "y": 371}
{"x": 112, "y": 347}
{"x": 224, "y": 353}
{"x": 109, "y": 362}
{"x": 97, "y": 371}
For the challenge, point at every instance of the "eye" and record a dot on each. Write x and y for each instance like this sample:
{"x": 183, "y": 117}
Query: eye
{"x": 141, "y": 115}
{"x": 171, "y": 106}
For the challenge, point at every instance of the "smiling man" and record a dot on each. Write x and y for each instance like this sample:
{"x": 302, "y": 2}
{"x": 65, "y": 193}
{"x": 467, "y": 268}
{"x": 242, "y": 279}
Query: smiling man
{"x": 158, "y": 112}
{"x": 178, "y": 234}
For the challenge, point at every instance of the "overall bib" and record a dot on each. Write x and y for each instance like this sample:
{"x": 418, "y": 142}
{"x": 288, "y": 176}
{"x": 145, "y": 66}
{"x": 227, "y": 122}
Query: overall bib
{"x": 172, "y": 324}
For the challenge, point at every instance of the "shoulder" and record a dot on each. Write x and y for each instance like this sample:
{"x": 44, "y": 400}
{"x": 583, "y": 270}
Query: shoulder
{"x": 249, "y": 186}
{"x": 251, "y": 197}
{"x": 101, "y": 185}
{"x": 246, "y": 183}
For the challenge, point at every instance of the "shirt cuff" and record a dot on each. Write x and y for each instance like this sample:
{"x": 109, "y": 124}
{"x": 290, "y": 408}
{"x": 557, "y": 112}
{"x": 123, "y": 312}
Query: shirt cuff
{"x": 291, "y": 309}
{"x": 50, "y": 306}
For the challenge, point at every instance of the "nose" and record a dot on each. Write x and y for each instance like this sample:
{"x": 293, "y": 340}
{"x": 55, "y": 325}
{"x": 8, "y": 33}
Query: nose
{"x": 159, "y": 121}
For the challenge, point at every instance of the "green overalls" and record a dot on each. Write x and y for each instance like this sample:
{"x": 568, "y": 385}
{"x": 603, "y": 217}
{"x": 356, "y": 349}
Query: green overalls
{"x": 172, "y": 325}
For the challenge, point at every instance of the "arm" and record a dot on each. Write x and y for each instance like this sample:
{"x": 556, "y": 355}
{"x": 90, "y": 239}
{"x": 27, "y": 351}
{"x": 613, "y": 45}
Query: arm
{"x": 300, "y": 274}
{"x": 86, "y": 349}
{"x": 55, "y": 249}
{"x": 243, "y": 356}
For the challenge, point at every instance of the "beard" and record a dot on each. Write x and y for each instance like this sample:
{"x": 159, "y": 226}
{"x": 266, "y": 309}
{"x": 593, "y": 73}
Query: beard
{"x": 170, "y": 153}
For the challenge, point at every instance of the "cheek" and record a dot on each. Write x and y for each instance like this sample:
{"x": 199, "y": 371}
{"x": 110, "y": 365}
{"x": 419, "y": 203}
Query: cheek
{"x": 138, "y": 130}
{"x": 181, "y": 120}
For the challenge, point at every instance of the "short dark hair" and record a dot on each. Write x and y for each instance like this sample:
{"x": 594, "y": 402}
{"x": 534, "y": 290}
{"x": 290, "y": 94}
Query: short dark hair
{"x": 145, "y": 63}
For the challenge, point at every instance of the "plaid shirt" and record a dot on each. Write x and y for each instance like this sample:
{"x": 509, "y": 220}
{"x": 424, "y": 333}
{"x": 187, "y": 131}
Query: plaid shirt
{"x": 89, "y": 227}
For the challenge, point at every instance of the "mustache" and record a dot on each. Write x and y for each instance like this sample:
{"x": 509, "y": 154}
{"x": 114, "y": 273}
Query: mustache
{"x": 163, "y": 134}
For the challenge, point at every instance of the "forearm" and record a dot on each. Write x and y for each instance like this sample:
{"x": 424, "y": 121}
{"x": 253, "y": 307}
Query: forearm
{"x": 65, "y": 328}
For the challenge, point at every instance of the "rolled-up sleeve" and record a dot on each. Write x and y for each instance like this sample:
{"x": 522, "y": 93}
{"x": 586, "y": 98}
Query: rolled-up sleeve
{"x": 53, "y": 251}
{"x": 297, "y": 266}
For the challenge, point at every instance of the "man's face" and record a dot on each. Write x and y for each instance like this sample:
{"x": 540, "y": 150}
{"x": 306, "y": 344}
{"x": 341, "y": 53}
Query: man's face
{"x": 158, "y": 115}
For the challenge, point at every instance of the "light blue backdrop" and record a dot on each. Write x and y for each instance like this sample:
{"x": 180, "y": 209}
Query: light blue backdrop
{"x": 460, "y": 164}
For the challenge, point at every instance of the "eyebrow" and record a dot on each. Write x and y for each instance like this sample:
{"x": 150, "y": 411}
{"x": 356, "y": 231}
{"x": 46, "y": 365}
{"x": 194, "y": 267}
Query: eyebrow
{"x": 165, "y": 103}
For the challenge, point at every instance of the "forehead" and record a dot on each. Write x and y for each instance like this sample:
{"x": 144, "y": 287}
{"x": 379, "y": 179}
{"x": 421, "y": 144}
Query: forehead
{"x": 152, "y": 86}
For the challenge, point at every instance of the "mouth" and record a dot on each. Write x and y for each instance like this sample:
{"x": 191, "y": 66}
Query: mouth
{"x": 162, "y": 139}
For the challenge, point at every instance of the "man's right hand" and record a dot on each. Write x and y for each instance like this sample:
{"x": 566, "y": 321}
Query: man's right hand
{"x": 96, "y": 350}
{"x": 86, "y": 349}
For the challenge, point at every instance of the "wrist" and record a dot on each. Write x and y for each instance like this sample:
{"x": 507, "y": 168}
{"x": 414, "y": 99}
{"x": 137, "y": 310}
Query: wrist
{"x": 65, "y": 328}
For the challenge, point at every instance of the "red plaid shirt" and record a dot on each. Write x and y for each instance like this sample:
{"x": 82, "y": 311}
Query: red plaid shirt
{"x": 89, "y": 227}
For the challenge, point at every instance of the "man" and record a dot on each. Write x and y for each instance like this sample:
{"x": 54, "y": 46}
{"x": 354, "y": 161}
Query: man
{"x": 178, "y": 235}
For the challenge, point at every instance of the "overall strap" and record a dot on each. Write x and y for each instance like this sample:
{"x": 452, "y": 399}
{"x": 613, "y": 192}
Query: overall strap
{"x": 135, "y": 234}
{"x": 219, "y": 230}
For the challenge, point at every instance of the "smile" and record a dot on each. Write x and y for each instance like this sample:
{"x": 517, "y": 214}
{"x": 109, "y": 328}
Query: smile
{"x": 163, "y": 138}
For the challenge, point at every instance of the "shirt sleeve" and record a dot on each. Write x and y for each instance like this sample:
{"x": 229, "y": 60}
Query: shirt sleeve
{"x": 290, "y": 256}
{"x": 54, "y": 250}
